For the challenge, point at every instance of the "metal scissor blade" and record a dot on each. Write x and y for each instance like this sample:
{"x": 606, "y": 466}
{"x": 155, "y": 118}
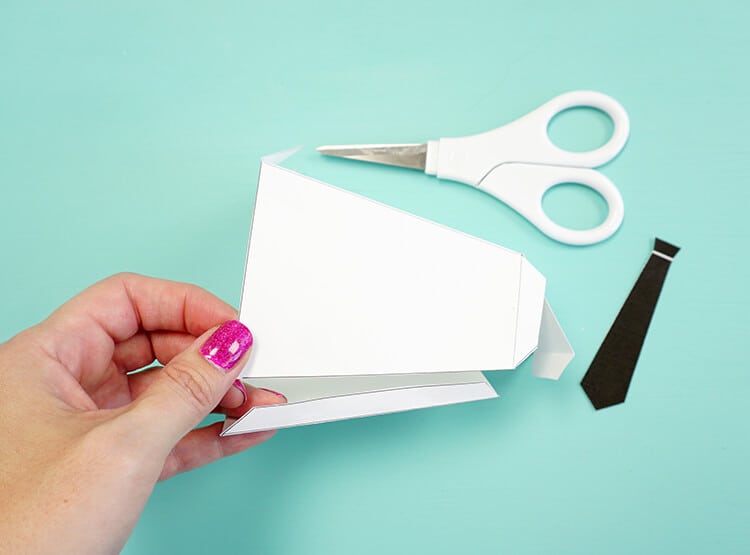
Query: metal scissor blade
{"x": 406, "y": 156}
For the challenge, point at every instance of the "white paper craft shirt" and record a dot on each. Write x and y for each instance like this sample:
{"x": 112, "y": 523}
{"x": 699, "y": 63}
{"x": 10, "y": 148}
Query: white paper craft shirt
{"x": 358, "y": 308}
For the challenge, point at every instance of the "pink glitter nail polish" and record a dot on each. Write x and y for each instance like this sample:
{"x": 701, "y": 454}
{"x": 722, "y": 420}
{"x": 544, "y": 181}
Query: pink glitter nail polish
{"x": 227, "y": 344}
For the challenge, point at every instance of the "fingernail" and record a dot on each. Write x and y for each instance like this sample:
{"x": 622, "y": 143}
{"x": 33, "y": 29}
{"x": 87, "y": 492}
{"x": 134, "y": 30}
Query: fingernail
{"x": 274, "y": 392}
{"x": 241, "y": 386}
{"x": 227, "y": 344}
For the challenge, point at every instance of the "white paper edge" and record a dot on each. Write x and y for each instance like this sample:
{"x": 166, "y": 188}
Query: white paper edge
{"x": 344, "y": 407}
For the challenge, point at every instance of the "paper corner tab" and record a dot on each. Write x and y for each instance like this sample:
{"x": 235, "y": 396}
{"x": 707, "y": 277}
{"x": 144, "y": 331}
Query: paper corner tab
{"x": 228, "y": 424}
{"x": 277, "y": 158}
{"x": 554, "y": 351}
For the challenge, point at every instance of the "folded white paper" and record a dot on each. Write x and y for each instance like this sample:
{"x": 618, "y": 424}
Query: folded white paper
{"x": 358, "y": 308}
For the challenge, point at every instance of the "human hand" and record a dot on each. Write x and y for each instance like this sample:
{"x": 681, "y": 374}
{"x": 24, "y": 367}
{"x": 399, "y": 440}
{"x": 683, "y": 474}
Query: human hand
{"x": 82, "y": 440}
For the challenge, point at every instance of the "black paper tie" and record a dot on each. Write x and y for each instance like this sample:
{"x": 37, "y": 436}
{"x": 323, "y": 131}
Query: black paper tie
{"x": 607, "y": 380}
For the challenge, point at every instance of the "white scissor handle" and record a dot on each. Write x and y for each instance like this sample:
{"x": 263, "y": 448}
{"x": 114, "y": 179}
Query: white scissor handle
{"x": 522, "y": 187}
{"x": 468, "y": 159}
{"x": 534, "y": 129}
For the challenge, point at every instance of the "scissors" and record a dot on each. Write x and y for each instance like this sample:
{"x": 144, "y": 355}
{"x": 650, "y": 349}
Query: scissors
{"x": 518, "y": 163}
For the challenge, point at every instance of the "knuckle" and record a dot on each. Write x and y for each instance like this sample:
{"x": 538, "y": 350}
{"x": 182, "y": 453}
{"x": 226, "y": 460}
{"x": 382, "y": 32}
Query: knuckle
{"x": 190, "y": 384}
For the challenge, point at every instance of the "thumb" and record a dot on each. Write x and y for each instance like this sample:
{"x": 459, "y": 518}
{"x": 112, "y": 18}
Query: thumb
{"x": 192, "y": 384}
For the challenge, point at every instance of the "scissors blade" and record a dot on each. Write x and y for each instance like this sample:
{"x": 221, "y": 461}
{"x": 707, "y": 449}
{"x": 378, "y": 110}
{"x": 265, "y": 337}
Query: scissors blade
{"x": 405, "y": 155}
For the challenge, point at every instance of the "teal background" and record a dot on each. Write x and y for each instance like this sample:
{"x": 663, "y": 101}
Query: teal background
{"x": 130, "y": 135}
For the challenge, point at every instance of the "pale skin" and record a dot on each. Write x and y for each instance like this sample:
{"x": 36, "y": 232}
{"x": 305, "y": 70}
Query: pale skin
{"x": 82, "y": 441}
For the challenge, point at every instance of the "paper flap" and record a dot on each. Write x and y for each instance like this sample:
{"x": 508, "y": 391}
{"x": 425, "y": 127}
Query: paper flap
{"x": 308, "y": 389}
{"x": 554, "y": 352}
{"x": 356, "y": 405}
